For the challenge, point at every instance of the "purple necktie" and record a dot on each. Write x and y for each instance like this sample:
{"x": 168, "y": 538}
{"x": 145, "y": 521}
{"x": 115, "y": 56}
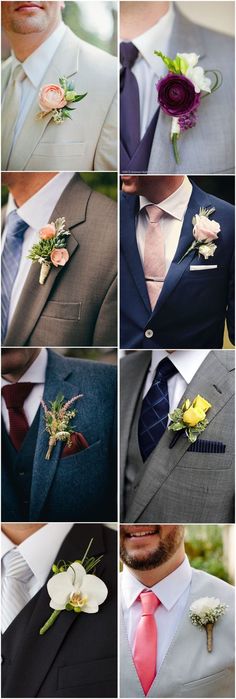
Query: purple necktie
{"x": 129, "y": 99}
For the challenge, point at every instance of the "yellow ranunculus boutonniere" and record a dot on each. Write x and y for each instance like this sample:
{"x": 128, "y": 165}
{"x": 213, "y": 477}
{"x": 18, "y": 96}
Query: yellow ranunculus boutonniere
{"x": 190, "y": 418}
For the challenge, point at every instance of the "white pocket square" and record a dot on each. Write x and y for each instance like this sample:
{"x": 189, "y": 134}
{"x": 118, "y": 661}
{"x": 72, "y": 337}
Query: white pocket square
{"x": 201, "y": 268}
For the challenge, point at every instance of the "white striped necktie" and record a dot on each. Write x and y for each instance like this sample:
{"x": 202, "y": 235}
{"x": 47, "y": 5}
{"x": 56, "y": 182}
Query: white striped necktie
{"x": 15, "y": 586}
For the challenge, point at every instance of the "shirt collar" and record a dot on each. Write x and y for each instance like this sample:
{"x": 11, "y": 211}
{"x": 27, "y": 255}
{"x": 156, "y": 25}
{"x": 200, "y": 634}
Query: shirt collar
{"x": 176, "y": 204}
{"x": 36, "y": 64}
{"x": 36, "y": 372}
{"x": 168, "y": 590}
{"x": 187, "y": 362}
{"x": 40, "y": 549}
{"x": 156, "y": 39}
{"x": 37, "y": 210}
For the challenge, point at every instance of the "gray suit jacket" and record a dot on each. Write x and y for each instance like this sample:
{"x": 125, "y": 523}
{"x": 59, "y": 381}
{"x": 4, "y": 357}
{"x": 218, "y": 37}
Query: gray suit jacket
{"x": 209, "y": 146}
{"x": 177, "y": 485}
{"x": 188, "y": 670}
{"x": 76, "y": 306}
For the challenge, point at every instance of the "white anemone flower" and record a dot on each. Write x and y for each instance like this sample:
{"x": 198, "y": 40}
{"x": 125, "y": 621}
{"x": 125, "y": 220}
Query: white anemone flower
{"x": 190, "y": 58}
{"x": 199, "y": 79}
{"x": 77, "y": 588}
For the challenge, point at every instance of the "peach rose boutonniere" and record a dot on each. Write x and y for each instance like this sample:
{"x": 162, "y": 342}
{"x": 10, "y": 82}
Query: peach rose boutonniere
{"x": 190, "y": 418}
{"x": 50, "y": 250}
{"x": 205, "y": 232}
{"x": 57, "y": 99}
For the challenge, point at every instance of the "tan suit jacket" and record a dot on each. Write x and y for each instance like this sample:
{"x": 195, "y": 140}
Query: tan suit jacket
{"x": 88, "y": 141}
{"x": 76, "y": 306}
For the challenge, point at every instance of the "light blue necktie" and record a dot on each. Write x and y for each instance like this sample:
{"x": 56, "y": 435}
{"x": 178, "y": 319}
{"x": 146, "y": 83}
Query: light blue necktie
{"x": 11, "y": 257}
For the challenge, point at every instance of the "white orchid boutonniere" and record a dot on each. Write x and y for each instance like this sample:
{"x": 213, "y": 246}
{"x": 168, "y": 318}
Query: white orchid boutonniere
{"x": 204, "y": 612}
{"x": 57, "y": 99}
{"x": 51, "y": 250}
{"x": 190, "y": 419}
{"x": 204, "y": 233}
{"x": 73, "y": 589}
{"x": 57, "y": 421}
{"x": 180, "y": 92}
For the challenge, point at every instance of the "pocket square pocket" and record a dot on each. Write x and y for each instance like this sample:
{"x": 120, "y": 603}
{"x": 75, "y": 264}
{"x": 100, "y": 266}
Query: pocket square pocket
{"x": 78, "y": 443}
{"x": 201, "y": 268}
{"x": 204, "y": 446}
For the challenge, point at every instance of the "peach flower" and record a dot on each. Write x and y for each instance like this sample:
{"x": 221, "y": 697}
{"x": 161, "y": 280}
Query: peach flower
{"x": 205, "y": 229}
{"x": 47, "y": 232}
{"x": 59, "y": 257}
{"x": 51, "y": 97}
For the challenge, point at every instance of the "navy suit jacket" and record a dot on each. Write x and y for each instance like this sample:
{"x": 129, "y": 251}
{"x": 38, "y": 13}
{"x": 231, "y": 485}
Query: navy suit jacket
{"x": 192, "y": 306}
{"x": 81, "y": 487}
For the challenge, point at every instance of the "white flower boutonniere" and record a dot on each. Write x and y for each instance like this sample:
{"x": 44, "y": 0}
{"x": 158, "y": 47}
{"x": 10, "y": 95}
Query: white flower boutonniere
{"x": 57, "y": 99}
{"x": 204, "y": 612}
{"x": 190, "y": 418}
{"x": 204, "y": 233}
{"x": 51, "y": 250}
{"x": 73, "y": 589}
{"x": 57, "y": 421}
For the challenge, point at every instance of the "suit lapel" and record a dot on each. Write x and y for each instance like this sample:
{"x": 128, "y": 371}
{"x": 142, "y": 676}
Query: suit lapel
{"x": 72, "y": 205}
{"x": 64, "y": 63}
{"x": 129, "y": 244}
{"x": 213, "y": 382}
{"x": 42, "y": 650}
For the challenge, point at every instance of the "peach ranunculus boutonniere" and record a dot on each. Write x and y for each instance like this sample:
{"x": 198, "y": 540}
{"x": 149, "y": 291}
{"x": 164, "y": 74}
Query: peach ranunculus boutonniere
{"x": 205, "y": 234}
{"x": 50, "y": 250}
{"x": 57, "y": 99}
{"x": 190, "y": 418}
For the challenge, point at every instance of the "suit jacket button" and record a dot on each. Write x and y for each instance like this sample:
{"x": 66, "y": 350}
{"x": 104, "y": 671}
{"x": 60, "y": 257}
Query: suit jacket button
{"x": 149, "y": 333}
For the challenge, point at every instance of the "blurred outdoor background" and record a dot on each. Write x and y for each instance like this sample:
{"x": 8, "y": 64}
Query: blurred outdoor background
{"x": 211, "y": 547}
{"x": 108, "y": 355}
{"x": 93, "y": 21}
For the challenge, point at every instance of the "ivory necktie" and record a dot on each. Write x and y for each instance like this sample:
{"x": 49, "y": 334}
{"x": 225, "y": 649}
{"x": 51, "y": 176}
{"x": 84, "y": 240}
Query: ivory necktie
{"x": 154, "y": 254}
{"x": 11, "y": 257}
{"x": 15, "y": 395}
{"x": 10, "y": 111}
{"x": 155, "y": 408}
{"x": 15, "y": 590}
{"x": 129, "y": 99}
{"x": 145, "y": 644}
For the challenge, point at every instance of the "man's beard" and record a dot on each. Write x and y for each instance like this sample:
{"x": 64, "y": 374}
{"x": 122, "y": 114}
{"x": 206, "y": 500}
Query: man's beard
{"x": 165, "y": 550}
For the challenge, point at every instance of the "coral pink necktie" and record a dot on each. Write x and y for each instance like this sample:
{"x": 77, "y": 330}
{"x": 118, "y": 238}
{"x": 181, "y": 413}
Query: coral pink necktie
{"x": 154, "y": 254}
{"x": 145, "y": 643}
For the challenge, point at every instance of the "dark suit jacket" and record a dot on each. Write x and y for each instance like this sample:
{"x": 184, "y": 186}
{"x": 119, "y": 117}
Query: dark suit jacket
{"x": 81, "y": 487}
{"x": 76, "y": 306}
{"x": 192, "y": 306}
{"x": 77, "y": 655}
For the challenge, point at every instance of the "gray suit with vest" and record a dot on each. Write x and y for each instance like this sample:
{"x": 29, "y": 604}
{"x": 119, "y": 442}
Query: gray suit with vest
{"x": 185, "y": 483}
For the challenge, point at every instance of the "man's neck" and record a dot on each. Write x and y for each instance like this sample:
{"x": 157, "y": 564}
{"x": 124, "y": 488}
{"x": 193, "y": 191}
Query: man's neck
{"x": 137, "y": 17}
{"x": 19, "y": 532}
{"x": 149, "y": 578}
{"x": 23, "y": 46}
{"x": 23, "y": 186}
{"x": 163, "y": 188}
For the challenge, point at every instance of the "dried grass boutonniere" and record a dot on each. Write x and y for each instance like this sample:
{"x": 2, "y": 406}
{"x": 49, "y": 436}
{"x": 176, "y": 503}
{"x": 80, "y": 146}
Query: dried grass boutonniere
{"x": 57, "y": 419}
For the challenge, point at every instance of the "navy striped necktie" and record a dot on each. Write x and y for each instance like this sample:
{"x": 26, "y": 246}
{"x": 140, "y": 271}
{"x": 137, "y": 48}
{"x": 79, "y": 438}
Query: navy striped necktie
{"x": 155, "y": 408}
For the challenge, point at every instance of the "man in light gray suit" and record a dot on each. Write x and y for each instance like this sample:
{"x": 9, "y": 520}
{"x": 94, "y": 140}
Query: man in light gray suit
{"x": 76, "y": 305}
{"x": 208, "y": 147}
{"x": 164, "y": 475}
{"x": 173, "y": 660}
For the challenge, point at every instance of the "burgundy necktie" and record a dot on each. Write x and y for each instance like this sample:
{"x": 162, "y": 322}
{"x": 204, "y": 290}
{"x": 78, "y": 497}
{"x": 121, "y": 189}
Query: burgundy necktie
{"x": 145, "y": 643}
{"x": 15, "y": 395}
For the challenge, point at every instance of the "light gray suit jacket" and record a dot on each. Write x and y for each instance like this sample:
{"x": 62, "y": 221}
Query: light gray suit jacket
{"x": 87, "y": 141}
{"x": 177, "y": 485}
{"x": 209, "y": 146}
{"x": 76, "y": 306}
{"x": 188, "y": 670}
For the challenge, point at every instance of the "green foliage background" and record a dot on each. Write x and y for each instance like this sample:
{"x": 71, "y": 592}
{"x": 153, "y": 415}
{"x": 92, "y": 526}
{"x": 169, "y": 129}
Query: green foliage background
{"x": 204, "y": 548}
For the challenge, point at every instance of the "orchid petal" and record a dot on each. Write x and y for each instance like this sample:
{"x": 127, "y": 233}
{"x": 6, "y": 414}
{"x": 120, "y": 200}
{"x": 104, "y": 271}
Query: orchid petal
{"x": 95, "y": 588}
{"x": 76, "y": 573}
{"x": 59, "y": 587}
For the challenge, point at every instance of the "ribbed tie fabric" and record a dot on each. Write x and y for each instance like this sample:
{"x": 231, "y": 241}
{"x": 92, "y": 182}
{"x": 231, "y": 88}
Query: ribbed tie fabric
{"x": 15, "y": 395}
{"x": 129, "y": 99}
{"x": 145, "y": 644}
{"x": 10, "y": 111}
{"x": 154, "y": 254}
{"x": 15, "y": 591}
{"x": 155, "y": 408}
{"x": 10, "y": 262}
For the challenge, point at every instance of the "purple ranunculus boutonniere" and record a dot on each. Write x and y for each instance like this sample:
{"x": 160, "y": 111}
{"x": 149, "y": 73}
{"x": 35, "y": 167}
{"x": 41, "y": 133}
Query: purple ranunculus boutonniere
{"x": 180, "y": 92}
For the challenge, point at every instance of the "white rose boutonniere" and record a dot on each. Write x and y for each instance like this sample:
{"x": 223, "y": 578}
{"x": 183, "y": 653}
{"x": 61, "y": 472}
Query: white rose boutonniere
{"x": 204, "y": 612}
{"x": 205, "y": 234}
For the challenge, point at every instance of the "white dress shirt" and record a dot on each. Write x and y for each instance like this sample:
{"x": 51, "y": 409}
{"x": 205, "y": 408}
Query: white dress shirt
{"x": 174, "y": 208}
{"x": 172, "y": 592}
{"x": 36, "y": 374}
{"x": 36, "y": 211}
{"x": 148, "y": 68}
{"x": 35, "y": 66}
{"x": 186, "y": 361}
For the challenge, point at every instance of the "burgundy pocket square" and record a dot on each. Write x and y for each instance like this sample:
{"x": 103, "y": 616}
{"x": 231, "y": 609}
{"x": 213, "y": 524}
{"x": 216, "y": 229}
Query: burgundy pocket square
{"x": 78, "y": 443}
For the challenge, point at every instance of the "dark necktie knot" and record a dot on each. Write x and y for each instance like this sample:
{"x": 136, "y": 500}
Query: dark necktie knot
{"x": 165, "y": 370}
{"x": 15, "y": 394}
{"x": 128, "y": 54}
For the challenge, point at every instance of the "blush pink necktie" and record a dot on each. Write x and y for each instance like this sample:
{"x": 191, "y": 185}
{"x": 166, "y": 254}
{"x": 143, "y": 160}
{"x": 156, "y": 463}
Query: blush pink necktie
{"x": 154, "y": 254}
{"x": 145, "y": 643}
